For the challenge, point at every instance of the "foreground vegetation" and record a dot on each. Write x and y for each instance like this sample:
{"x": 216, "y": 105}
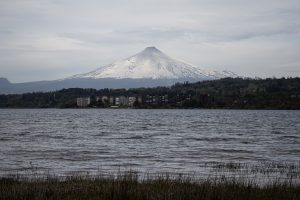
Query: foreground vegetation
{"x": 266, "y": 181}
{"x": 236, "y": 93}
{"x": 129, "y": 186}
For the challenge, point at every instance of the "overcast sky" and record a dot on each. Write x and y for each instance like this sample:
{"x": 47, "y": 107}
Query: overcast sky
{"x": 52, "y": 39}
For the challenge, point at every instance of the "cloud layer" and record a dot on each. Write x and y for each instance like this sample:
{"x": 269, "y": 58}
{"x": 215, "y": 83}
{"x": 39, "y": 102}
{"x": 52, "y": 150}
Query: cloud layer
{"x": 52, "y": 39}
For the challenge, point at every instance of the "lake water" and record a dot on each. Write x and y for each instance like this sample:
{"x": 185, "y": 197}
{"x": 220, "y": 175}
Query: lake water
{"x": 62, "y": 141}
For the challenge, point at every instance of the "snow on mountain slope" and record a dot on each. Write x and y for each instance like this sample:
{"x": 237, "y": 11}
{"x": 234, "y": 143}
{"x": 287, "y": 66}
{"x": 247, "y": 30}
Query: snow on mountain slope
{"x": 151, "y": 63}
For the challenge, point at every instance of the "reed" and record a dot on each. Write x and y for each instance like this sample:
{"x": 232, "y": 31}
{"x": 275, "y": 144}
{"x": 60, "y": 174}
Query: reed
{"x": 260, "y": 181}
{"x": 132, "y": 185}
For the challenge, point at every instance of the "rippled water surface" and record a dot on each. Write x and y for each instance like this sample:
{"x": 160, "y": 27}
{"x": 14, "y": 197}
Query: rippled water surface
{"x": 64, "y": 141}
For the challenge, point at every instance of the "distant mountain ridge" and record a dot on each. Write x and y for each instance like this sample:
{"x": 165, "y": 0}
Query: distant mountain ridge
{"x": 148, "y": 68}
{"x": 4, "y": 81}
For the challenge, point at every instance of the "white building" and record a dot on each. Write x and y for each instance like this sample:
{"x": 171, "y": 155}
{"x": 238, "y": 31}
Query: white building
{"x": 83, "y": 102}
{"x": 131, "y": 101}
{"x": 117, "y": 101}
{"x": 123, "y": 101}
{"x": 111, "y": 101}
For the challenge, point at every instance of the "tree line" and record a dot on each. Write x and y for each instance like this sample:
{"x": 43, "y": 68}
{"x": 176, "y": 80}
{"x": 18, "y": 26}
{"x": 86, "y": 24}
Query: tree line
{"x": 231, "y": 93}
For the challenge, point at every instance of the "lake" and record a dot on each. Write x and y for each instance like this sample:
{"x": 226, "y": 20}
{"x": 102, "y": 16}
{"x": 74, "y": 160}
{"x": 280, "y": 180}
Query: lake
{"x": 63, "y": 141}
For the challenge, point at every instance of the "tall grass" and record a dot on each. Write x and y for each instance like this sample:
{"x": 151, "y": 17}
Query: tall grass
{"x": 236, "y": 185}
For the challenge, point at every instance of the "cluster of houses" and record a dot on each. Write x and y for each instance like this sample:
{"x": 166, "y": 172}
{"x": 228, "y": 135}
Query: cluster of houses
{"x": 119, "y": 100}
{"x": 122, "y": 101}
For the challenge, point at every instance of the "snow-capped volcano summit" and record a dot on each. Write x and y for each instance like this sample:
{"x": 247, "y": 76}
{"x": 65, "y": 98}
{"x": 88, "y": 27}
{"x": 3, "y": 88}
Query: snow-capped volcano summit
{"x": 151, "y": 63}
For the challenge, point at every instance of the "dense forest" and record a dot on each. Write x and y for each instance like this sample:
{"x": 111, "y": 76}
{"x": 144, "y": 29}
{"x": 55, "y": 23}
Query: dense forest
{"x": 233, "y": 93}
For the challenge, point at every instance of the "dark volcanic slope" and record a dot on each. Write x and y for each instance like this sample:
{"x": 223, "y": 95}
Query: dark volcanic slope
{"x": 45, "y": 86}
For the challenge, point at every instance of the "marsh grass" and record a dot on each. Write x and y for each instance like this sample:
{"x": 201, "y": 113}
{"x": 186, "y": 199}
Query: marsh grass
{"x": 241, "y": 183}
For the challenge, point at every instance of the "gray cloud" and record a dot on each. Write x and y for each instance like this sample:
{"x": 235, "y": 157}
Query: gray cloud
{"x": 52, "y": 39}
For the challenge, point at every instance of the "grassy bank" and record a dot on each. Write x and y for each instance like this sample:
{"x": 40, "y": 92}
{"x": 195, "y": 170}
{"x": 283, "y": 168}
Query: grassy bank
{"x": 259, "y": 181}
{"x": 131, "y": 186}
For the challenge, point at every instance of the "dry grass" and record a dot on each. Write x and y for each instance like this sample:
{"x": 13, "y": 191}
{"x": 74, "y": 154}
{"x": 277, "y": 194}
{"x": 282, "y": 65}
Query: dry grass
{"x": 263, "y": 181}
{"x": 130, "y": 185}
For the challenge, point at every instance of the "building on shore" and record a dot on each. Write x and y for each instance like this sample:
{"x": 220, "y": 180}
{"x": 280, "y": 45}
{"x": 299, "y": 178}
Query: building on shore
{"x": 139, "y": 99}
{"x": 149, "y": 99}
{"x": 164, "y": 99}
{"x": 157, "y": 99}
{"x": 123, "y": 101}
{"x": 83, "y": 102}
{"x": 117, "y": 101}
{"x": 131, "y": 101}
{"x": 104, "y": 99}
{"x": 111, "y": 101}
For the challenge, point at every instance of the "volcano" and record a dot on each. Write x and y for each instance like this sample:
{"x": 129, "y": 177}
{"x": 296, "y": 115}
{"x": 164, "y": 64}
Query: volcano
{"x": 152, "y": 63}
{"x": 148, "y": 68}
